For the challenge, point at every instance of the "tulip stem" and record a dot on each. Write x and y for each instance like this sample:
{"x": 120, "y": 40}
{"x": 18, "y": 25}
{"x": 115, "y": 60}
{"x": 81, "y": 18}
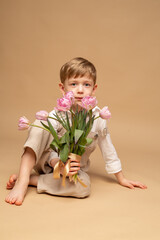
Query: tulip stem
{"x": 53, "y": 118}
{"x": 72, "y": 112}
{"x": 96, "y": 117}
{"x": 39, "y": 127}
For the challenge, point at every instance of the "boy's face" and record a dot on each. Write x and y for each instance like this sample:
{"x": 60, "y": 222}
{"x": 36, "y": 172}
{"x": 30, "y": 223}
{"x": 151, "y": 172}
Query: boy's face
{"x": 80, "y": 86}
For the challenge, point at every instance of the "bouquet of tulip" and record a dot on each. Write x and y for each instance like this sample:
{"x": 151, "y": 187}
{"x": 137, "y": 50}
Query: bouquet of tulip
{"x": 77, "y": 124}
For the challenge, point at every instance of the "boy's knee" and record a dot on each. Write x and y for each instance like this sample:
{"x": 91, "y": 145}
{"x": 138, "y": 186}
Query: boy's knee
{"x": 83, "y": 192}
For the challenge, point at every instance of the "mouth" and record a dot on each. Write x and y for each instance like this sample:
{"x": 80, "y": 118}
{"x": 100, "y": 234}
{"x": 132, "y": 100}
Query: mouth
{"x": 79, "y": 98}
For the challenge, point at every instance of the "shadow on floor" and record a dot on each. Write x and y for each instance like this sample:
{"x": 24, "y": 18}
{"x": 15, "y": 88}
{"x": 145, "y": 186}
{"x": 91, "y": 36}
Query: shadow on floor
{"x": 102, "y": 177}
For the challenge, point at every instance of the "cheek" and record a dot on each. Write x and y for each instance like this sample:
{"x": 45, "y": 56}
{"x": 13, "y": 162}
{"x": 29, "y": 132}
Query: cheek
{"x": 89, "y": 92}
{"x": 67, "y": 89}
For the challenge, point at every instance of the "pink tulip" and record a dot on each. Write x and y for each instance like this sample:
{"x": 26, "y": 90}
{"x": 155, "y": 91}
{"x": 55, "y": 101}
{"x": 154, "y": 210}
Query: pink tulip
{"x": 89, "y": 102}
{"x": 70, "y": 96}
{"x": 42, "y": 115}
{"x": 105, "y": 113}
{"x": 63, "y": 104}
{"x": 23, "y": 123}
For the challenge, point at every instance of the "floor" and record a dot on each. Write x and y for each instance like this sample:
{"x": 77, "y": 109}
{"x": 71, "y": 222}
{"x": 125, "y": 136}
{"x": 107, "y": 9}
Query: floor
{"x": 110, "y": 212}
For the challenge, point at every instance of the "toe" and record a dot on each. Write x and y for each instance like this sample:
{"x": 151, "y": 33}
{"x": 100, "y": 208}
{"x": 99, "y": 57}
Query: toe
{"x": 18, "y": 202}
{"x": 13, "y": 178}
{"x": 9, "y": 186}
{"x": 11, "y": 182}
{"x": 6, "y": 199}
{"x": 13, "y": 200}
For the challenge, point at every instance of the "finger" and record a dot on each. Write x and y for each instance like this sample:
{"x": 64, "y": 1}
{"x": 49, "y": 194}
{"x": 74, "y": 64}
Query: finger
{"x": 72, "y": 173}
{"x": 130, "y": 186}
{"x": 138, "y": 184}
{"x": 74, "y": 160}
{"x": 142, "y": 186}
{"x": 72, "y": 169}
{"x": 72, "y": 164}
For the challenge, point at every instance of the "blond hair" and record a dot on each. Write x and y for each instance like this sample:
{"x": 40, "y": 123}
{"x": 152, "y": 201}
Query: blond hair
{"x": 78, "y": 67}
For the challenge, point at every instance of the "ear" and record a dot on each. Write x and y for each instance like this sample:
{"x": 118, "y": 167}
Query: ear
{"x": 61, "y": 86}
{"x": 94, "y": 89}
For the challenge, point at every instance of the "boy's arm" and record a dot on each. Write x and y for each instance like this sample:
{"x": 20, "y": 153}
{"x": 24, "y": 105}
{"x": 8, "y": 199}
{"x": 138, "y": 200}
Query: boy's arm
{"x": 113, "y": 164}
{"x": 128, "y": 183}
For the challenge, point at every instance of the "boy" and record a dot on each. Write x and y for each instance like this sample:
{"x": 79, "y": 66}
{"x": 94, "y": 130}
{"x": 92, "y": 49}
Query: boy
{"x": 78, "y": 76}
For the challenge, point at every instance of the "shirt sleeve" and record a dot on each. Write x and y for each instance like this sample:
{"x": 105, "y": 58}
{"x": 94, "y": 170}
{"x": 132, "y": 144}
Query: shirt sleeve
{"x": 112, "y": 162}
{"x": 53, "y": 155}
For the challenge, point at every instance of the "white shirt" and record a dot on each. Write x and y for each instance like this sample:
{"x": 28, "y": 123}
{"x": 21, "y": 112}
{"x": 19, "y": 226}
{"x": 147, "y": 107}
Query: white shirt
{"x": 100, "y": 135}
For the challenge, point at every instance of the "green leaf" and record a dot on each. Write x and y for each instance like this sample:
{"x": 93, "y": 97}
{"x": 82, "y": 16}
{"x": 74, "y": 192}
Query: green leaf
{"x": 77, "y": 134}
{"x": 54, "y": 143}
{"x": 72, "y": 147}
{"x": 44, "y": 125}
{"x": 64, "y": 153}
{"x": 53, "y": 132}
{"x": 53, "y": 147}
{"x": 89, "y": 141}
{"x": 72, "y": 130}
{"x": 62, "y": 140}
{"x": 60, "y": 120}
{"x": 81, "y": 150}
{"x": 63, "y": 120}
{"x": 83, "y": 141}
{"x": 65, "y": 138}
{"x": 68, "y": 123}
{"x": 79, "y": 119}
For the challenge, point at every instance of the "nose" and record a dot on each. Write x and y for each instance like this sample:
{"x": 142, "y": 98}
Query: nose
{"x": 80, "y": 88}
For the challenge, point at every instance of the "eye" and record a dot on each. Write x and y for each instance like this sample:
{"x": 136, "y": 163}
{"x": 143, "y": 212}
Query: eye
{"x": 73, "y": 84}
{"x": 87, "y": 85}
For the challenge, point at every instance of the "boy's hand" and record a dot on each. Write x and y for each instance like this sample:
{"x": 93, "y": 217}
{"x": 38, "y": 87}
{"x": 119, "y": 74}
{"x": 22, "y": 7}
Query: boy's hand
{"x": 132, "y": 184}
{"x": 74, "y": 167}
{"x": 128, "y": 183}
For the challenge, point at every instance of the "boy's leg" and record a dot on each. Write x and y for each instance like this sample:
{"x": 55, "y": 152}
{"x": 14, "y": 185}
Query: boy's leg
{"x": 17, "y": 194}
{"x": 39, "y": 140}
{"x": 33, "y": 180}
{"x": 36, "y": 152}
{"x": 47, "y": 184}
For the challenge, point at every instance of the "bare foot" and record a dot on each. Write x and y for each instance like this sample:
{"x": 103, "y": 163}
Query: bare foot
{"x": 17, "y": 194}
{"x": 12, "y": 181}
{"x": 19, "y": 189}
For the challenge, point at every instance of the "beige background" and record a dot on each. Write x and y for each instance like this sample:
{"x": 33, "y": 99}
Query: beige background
{"x": 121, "y": 37}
